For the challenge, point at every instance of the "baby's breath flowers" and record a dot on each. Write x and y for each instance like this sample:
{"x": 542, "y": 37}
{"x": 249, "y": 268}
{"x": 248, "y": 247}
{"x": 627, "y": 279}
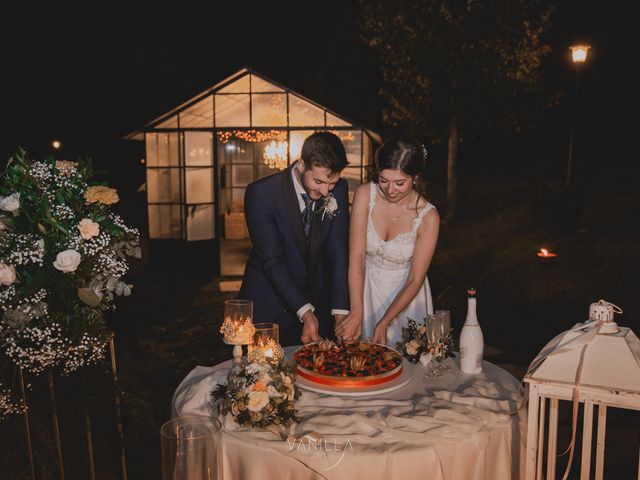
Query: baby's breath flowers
{"x": 63, "y": 254}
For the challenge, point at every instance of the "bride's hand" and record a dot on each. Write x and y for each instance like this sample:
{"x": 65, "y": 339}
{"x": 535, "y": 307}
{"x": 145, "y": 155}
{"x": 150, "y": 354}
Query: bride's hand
{"x": 350, "y": 327}
{"x": 380, "y": 333}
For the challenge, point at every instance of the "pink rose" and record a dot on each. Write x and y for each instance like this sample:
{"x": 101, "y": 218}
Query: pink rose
{"x": 88, "y": 228}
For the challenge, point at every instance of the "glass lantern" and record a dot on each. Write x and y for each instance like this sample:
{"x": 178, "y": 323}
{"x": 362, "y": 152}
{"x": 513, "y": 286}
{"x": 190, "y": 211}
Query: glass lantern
{"x": 266, "y": 344}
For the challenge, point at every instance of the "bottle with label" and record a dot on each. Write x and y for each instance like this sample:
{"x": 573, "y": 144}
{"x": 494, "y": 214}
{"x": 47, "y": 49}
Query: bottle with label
{"x": 471, "y": 339}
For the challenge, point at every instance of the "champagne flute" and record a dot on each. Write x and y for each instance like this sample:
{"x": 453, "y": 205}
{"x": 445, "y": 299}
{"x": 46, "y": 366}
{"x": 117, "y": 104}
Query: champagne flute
{"x": 445, "y": 329}
{"x": 433, "y": 337}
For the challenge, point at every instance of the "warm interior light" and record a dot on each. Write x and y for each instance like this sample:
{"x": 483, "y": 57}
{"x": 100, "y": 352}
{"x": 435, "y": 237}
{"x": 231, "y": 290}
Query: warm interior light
{"x": 544, "y": 253}
{"x": 275, "y": 154}
{"x": 56, "y": 144}
{"x": 579, "y": 53}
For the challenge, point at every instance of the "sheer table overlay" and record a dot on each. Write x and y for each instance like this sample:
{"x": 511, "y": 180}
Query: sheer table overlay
{"x": 456, "y": 426}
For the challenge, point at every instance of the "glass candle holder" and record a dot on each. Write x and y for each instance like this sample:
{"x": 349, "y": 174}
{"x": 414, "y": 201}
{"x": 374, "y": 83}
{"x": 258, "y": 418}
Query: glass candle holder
{"x": 266, "y": 344}
{"x": 237, "y": 327}
{"x": 190, "y": 448}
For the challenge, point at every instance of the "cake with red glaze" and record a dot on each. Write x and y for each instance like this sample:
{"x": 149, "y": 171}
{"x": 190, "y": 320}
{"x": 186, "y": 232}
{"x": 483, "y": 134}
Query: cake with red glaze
{"x": 348, "y": 365}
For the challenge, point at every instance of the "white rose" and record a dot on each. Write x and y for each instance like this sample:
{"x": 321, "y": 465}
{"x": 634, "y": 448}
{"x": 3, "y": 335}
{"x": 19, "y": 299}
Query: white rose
{"x": 257, "y": 401}
{"x": 332, "y": 204}
{"x": 7, "y": 274}
{"x": 67, "y": 261}
{"x": 272, "y": 392}
{"x": 88, "y": 228}
{"x": 255, "y": 368}
{"x": 412, "y": 347}
{"x": 426, "y": 358}
{"x": 10, "y": 203}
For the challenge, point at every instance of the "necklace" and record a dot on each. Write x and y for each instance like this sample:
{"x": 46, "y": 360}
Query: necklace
{"x": 393, "y": 219}
{"x": 403, "y": 210}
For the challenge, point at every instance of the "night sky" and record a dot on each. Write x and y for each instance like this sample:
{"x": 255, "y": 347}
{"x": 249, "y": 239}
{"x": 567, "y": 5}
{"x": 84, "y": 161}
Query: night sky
{"x": 88, "y": 78}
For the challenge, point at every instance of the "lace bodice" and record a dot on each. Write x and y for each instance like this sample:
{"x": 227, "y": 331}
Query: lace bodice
{"x": 394, "y": 254}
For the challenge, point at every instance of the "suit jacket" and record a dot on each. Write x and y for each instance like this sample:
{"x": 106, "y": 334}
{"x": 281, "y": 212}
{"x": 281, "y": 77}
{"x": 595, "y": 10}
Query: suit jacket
{"x": 283, "y": 273}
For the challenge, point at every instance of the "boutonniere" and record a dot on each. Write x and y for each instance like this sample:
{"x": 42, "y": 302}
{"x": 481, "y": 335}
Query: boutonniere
{"x": 329, "y": 206}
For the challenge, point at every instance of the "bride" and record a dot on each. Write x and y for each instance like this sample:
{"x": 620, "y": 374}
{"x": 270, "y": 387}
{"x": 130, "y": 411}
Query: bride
{"x": 393, "y": 235}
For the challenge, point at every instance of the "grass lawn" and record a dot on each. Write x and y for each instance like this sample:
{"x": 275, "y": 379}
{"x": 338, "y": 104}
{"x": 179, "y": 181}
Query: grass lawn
{"x": 171, "y": 322}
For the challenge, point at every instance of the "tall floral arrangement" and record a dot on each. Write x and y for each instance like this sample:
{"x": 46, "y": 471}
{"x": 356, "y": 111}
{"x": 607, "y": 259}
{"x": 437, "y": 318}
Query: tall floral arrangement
{"x": 63, "y": 255}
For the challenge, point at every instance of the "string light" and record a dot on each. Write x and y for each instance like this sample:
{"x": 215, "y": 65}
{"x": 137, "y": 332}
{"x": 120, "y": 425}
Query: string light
{"x": 253, "y": 136}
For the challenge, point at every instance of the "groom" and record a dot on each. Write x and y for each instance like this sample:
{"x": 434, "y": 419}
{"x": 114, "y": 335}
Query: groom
{"x": 298, "y": 221}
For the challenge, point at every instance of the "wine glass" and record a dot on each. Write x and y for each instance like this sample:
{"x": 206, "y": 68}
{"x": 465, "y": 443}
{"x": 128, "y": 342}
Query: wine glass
{"x": 434, "y": 333}
{"x": 445, "y": 329}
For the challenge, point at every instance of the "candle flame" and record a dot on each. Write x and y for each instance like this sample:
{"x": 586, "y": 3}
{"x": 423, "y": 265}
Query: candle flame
{"x": 544, "y": 253}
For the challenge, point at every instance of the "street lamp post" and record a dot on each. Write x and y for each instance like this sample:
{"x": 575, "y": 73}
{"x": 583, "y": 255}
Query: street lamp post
{"x": 578, "y": 57}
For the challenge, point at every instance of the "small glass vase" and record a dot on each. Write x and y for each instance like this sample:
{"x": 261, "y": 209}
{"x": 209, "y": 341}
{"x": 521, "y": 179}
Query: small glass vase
{"x": 189, "y": 447}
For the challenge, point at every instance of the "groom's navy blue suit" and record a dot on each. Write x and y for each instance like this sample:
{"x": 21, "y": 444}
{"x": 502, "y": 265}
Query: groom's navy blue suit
{"x": 284, "y": 273}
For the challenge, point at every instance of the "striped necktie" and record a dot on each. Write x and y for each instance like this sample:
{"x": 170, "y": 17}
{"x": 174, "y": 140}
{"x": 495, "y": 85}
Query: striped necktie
{"x": 307, "y": 215}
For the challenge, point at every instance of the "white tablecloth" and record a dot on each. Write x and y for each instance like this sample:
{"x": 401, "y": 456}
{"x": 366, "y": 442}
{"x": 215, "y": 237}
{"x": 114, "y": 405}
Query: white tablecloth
{"x": 456, "y": 426}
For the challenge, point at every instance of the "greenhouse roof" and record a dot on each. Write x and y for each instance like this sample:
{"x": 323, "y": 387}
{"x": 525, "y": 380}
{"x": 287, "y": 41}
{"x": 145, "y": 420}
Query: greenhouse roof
{"x": 247, "y": 99}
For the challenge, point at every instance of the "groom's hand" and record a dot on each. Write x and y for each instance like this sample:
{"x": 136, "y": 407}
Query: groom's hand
{"x": 309, "y": 328}
{"x": 349, "y": 327}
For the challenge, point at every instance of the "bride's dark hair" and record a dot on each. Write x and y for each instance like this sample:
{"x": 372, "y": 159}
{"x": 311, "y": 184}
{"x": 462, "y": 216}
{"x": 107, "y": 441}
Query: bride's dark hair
{"x": 405, "y": 154}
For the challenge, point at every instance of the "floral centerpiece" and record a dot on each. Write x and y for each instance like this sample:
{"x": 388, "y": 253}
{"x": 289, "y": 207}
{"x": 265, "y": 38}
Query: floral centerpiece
{"x": 415, "y": 344}
{"x": 63, "y": 254}
{"x": 260, "y": 395}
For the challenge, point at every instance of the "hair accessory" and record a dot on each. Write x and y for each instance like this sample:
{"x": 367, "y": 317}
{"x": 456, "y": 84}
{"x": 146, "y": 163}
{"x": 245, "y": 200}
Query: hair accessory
{"x": 424, "y": 152}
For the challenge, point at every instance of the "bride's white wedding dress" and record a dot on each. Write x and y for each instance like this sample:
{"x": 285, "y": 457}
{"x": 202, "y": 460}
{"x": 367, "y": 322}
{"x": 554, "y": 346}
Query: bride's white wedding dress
{"x": 387, "y": 266}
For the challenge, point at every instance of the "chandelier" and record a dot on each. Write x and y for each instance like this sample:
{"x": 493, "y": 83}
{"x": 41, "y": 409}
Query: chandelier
{"x": 275, "y": 154}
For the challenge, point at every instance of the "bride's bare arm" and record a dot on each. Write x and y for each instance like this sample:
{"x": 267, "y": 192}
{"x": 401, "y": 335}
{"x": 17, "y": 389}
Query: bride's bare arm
{"x": 422, "y": 254}
{"x": 351, "y": 327}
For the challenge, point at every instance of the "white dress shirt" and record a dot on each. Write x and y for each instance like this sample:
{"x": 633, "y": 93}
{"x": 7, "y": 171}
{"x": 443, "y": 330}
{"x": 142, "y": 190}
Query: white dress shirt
{"x": 299, "y": 192}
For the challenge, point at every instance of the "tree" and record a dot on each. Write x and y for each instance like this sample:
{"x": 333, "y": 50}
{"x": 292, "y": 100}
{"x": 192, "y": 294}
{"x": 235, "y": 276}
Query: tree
{"x": 453, "y": 67}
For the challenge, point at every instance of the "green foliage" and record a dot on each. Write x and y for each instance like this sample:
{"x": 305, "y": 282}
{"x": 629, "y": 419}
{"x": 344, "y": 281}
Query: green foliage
{"x": 478, "y": 61}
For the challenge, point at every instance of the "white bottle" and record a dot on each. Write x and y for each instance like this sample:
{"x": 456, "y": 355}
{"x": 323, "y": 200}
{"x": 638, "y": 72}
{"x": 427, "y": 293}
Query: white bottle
{"x": 471, "y": 339}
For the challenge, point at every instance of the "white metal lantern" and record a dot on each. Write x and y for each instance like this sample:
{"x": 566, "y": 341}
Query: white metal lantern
{"x": 594, "y": 363}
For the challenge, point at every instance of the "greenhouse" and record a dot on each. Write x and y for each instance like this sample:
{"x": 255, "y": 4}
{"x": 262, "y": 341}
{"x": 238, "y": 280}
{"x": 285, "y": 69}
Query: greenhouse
{"x": 201, "y": 156}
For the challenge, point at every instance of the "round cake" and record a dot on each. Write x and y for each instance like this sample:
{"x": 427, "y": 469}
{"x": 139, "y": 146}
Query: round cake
{"x": 348, "y": 365}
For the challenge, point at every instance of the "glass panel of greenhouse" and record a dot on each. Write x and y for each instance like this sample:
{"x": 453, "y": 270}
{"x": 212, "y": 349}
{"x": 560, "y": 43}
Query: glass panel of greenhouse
{"x": 199, "y": 115}
{"x": 240, "y": 130}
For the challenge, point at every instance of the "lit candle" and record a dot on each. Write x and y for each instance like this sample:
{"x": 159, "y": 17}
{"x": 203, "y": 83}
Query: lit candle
{"x": 265, "y": 346}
